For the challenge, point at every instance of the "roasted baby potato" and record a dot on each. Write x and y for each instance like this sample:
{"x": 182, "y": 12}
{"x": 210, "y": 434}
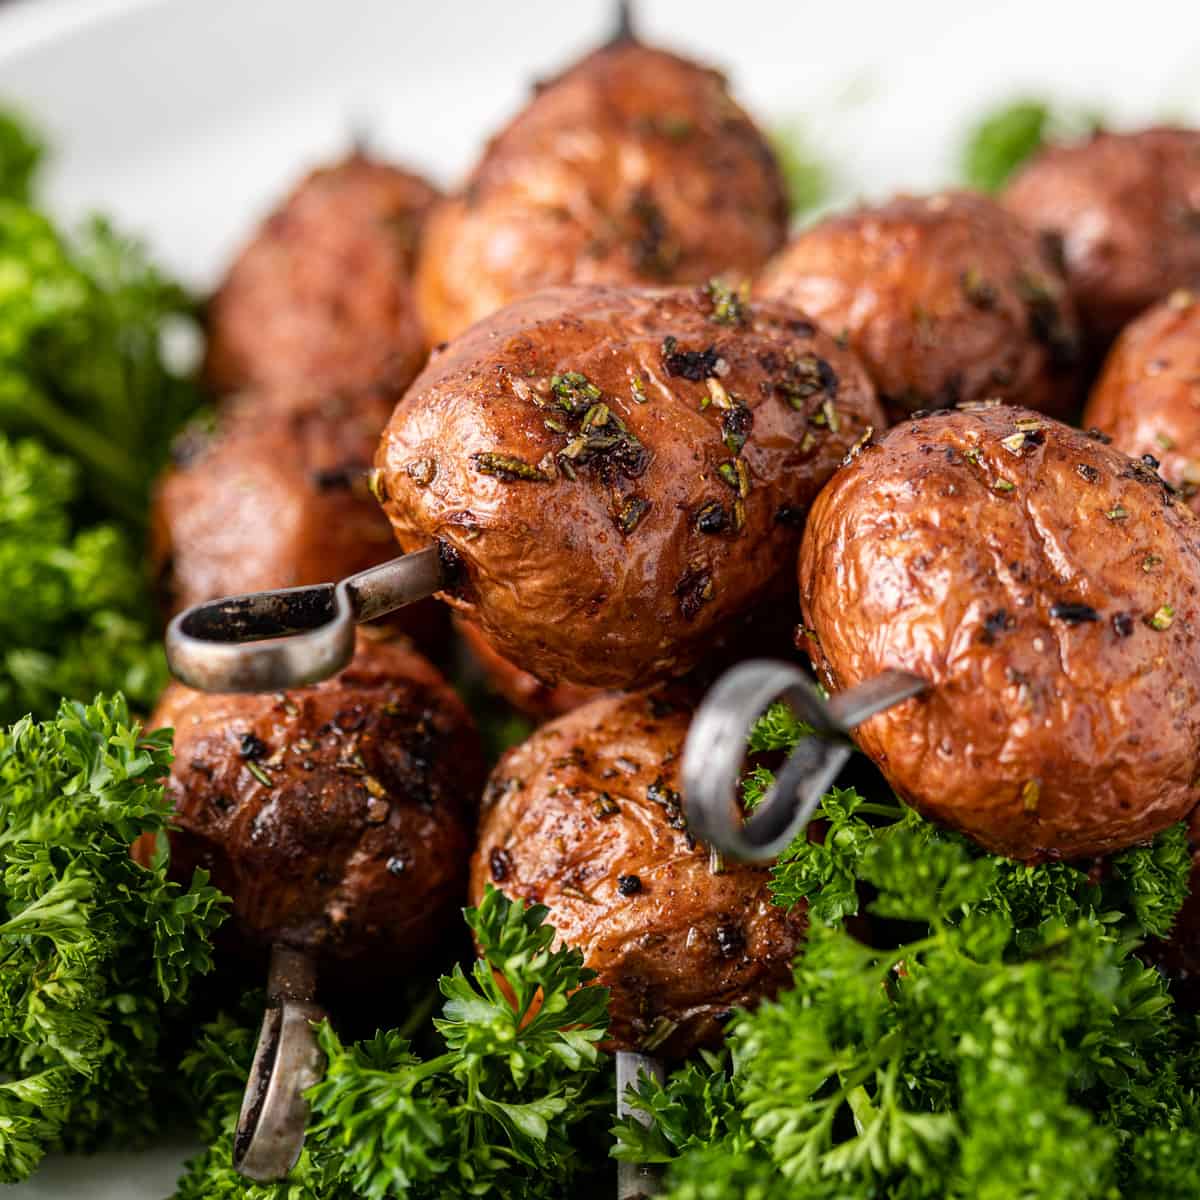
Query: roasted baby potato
{"x": 585, "y": 818}
{"x": 1147, "y": 398}
{"x": 947, "y": 298}
{"x": 338, "y": 818}
{"x": 1122, "y": 212}
{"x": 616, "y": 475}
{"x": 1048, "y": 588}
{"x": 321, "y": 296}
{"x": 632, "y": 166}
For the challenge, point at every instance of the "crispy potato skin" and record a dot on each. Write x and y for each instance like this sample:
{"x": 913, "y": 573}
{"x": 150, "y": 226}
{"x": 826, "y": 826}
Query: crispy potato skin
{"x": 525, "y": 692}
{"x": 632, "y": 166}
{"x": 1045, "y": 735}
{"x": 1147, "y": 398}
{"x": 322, "y": 293}
{"x": 947, "y": 298}
{"x": 277, "y": 497}
{"x": 1125, "y": 209}
{"x": 687, "y": 945}
{"x": 357, "y": 852}
{"x": 555, "y": 571}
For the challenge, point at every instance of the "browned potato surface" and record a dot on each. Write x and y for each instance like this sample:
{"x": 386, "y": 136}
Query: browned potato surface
{"x": 632, "y": 166}
{"x": 584, "y": 817}
{"x": 1123, "y": 212}
{"x": 947, "y": 299}
{"x": 1048, "y": 587}
{"x": 338, "y": 817}
{"x": 1147, "y": 398}
{"x": 322, "y": 294}
{"x": 525, "y": 692}
{"x": 615, "y": 475}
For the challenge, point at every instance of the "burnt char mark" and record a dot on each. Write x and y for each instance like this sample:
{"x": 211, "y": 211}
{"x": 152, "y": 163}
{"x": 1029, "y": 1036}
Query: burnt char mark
{"x": 693, "y": 590}
{"x": 694, "y": 365}
{"x": 1074, "y": 614}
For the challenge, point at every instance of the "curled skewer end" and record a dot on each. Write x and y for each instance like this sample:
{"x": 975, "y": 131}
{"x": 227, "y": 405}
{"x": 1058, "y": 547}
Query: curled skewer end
{"x": 716, "y": 747}
{"x": 287, "y": 1062}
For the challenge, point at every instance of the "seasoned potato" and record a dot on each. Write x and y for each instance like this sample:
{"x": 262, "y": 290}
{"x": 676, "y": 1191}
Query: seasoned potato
{"x": 584, "y": 817}
{"x": 276, "y": 497}
{"x": 322, "y": 295}
{"x": 338, "y": 818}
{"x": 1122, "y": 211}
{"x": 947, "y": 299}
{"x": 1048, "y": 587}
{"x": 1147, "y": 398}
{"x": 616, "y": 475}
{"x": 632, "y": 166}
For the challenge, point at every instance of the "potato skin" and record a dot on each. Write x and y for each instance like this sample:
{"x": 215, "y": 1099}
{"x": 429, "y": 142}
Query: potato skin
{"x": 276, "y": 497}
{"x": 681, "y": 943}
{"x": 1125, "y": 210}
{"x": 632, "y": 166}
{"x": 576, "y": 578}
{"x": 322, "y": 293}
{"x": 357, "y": 852}
{"x": 1147, "y": 398}
{"x": 1046, "y": 735}
{"x": 947, "y": 298}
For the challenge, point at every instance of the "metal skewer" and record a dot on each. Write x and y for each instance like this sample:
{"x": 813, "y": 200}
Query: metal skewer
{"x": 715, "y": 751}
{"x": 270, "y": 641}
{"x": 287, "y": 1062}
{"x": 635, "y": 1180}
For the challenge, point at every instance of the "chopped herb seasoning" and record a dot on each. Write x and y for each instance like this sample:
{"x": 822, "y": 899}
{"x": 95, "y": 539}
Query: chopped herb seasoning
{"x": 739, "y": 516}
{"x": 604, "y": 806}
{"x": 1074, "y": 614}
{"x": 574, "y": 393}
{"x": 638, "y": 392}
{"x": 422, "y": 471}
{"x": 978, "y": 290}
{"x": 859, "y": 446}
{"x": 1164, "y": 441}
{"x": 806, "y": 377}
{"x": 1087, "y": 472}
{"x": 631, "y": 512}
{"x": 694, "y": 590}
{"x": 509, "y": 468}
{"x": 1098, "y": 435}
{"x": 555, "y": 426}
{"x": 252, "y": 747}
{"x": 711, "y": 518}
{"x": 662, "y": 1029}
{"x": 596, "y": 417}
{"x": 259, "y": 773}
{"x": 716, "y": 395}
{"x": 736, "y": 474}
{"x": 1117, "y": 513}
{"x": 377, "y": 485}
{"x": 629, "y": 885}
{"x": 1004, "y": 485}
{"x": 1163, "y": 619}
{"x": 1150, "y": 562}
{"x": 1151, "y": 461}
{"x": 1024, "y": 439}
{"x": 1122, "y": 624}
{"x": 728, "y": 304}
{"x": 1031, "y": 793}
{"x": 694, "y": 365}
{"x": 735, "y": 427}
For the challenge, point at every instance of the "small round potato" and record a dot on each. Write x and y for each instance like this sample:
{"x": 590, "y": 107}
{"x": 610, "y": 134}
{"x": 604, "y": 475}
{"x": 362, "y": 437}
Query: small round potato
{"x": 632, "y": 166}
{"x": 947, "y": 299}
{"x": 1048, "y": 588}
{"x": 1147, "y": 398}
{"x": 584, "y": 817}
{"x": 1122, "y": 211}
{"x": 616, "y": 475}
{"x": 338, "y": 818}
{"x": 322, "y": 295}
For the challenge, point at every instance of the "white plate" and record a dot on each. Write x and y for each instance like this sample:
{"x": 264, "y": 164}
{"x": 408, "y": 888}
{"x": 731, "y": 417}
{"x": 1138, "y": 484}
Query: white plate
{"x": 185, "y": 119}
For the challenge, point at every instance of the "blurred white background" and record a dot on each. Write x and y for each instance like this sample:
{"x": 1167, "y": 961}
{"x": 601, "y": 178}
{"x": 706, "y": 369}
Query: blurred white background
{"x": 185, "y": 119}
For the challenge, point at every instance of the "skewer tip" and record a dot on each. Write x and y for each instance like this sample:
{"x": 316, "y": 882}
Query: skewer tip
{"x": 624, "y": 30}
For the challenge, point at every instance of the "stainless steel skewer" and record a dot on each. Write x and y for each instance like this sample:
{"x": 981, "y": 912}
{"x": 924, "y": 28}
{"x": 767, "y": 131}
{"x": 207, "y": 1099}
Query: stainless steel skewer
{"x": 715, "y": 751}
{"x": 635, "y": 1180}
{"x": 287, "y": 1062}
{"x": 270, "y": 641}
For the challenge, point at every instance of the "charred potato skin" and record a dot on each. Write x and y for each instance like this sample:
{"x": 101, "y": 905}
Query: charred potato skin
{"x": 947, "y": 298}
{"x": 356, "y": 850}
{"x": 1125, "y": 210}
{"x": 322, "y": 294}
{"x": 1050, "y": 732}
{"x": 276, "y": 497}
{"x": 583, "y": 818}
{"x": 575, "y": 578}
{"x": 1147, "y": 398}
{"x": 633, "y": 166}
